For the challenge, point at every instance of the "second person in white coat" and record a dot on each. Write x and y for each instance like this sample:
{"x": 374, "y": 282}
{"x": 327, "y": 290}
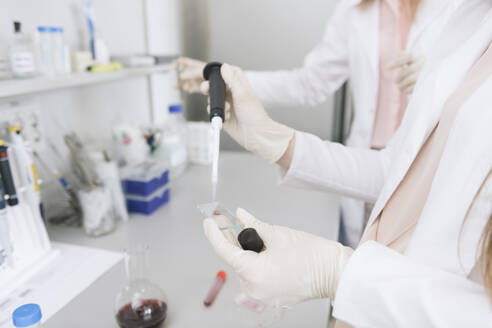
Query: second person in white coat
{"x": 427, "y": 256}
{"x": 378, "y": 45}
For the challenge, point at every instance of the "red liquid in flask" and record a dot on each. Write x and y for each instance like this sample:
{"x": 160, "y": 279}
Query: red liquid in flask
{"x": 148, "y": 314}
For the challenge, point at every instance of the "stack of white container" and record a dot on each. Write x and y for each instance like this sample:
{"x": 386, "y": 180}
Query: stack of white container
{"x": 54, "y": 55}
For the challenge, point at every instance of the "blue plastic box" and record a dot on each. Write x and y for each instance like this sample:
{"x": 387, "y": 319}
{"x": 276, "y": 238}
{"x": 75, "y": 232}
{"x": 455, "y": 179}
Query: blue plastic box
{"x": 145, "y": 178}
{"x": 147, "y": 205}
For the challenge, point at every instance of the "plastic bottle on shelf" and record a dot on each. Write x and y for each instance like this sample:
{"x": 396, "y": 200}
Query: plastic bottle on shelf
{"x": 46, "y": 66}
{"x": 53, "y": 32}
{"x": 22, "y": 54}
{"x": 58, "y": 51}
{"x": 67, "y": 60}
{"x": 172, "y": 147}
{"x": 27, "y": 316}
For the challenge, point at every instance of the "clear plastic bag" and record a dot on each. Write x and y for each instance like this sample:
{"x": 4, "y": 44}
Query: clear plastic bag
{"x": 97, "y": 212}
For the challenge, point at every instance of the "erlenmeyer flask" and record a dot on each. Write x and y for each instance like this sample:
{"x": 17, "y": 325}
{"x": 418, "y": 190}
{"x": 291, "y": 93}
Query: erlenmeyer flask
{"x": 141, "y": 303}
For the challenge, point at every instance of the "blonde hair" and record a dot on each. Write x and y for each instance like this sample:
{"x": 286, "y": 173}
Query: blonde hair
{"x": 412, "y": 6}
{"x": 485, "y": 247}
{"x": 486, "y": 257}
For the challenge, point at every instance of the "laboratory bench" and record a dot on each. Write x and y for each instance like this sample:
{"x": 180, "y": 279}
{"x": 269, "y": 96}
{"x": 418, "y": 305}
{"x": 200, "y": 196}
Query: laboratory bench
{"x": 182, "y": 261}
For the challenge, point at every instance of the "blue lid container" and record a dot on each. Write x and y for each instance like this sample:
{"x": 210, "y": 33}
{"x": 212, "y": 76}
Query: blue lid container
{"x": 176, "y": 109}
{"x": 145, "y": 178}
{"x": 43, "y": 29}
{"x": 27, "y": 315}
{"x": 147, "y": 205}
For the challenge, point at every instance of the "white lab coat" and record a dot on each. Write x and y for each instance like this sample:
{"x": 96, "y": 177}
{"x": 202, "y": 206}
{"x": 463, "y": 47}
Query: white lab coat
{"x": 431, "y": 284}
{"x": 349, "y": 50}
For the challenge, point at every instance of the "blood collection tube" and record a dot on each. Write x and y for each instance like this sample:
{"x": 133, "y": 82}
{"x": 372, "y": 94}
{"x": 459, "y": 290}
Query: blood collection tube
{"x": 8, "y": 181}
{"x": 215, "y": 289}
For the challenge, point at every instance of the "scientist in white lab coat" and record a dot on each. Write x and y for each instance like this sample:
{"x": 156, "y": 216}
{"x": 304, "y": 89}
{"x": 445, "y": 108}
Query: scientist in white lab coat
{"x": 380, "y": 46}
{"x": 426, "y": 255}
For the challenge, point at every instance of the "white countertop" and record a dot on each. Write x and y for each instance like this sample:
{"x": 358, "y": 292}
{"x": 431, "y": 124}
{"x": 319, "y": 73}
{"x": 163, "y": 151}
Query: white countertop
{"x": 182, "y": 261}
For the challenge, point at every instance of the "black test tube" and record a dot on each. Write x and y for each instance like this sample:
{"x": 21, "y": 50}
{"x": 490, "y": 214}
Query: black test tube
{"x": 8, "y": 181}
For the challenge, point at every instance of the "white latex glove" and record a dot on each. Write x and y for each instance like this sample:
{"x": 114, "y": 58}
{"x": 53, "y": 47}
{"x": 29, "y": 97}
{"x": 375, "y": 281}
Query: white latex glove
{"x": 246, "y": 120}
{"x": 190, "y": 74}
{"x": 294, "y": 267}
{"x": 410, "y": 65}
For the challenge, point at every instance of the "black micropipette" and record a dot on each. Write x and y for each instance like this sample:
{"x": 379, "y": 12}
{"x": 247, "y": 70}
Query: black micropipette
{"x": 217, "y": 92}
{"x": 8, "y": 181}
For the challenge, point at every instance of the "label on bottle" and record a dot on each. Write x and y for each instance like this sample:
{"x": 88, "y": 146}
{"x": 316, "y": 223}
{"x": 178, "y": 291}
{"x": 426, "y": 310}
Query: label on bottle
{"x": 22, "y": 62}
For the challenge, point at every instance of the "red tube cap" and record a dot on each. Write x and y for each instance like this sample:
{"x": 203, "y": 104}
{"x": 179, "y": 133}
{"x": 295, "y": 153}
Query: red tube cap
{"x": 222, "y": 274}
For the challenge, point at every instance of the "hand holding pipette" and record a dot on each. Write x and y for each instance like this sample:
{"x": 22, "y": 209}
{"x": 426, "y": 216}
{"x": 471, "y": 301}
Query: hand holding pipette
{"x": 247, "y": 121}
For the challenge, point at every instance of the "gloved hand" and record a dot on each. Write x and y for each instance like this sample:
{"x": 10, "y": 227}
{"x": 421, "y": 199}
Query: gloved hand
{"x": 294, "y": 267}
{"x": 246, "y": 120}
{"x": 190, "y": 74}
{"x": 410, "y": 65}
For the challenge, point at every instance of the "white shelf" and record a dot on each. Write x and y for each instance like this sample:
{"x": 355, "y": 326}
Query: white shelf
{"x": 9, "y": 88}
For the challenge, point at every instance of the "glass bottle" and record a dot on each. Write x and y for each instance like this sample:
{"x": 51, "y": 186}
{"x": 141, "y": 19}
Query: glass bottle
{"x": 141, "y": 303}
{"x": 22, "y": 54}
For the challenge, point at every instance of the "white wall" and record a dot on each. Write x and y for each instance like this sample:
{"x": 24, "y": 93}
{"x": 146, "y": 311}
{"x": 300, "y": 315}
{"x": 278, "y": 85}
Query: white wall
{"x": 265, "y": 34}
{"x": 91, "y": 111}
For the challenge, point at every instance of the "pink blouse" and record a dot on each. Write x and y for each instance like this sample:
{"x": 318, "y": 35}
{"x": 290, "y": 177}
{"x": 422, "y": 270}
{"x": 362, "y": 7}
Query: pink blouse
{"x": 394, "y": 26}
